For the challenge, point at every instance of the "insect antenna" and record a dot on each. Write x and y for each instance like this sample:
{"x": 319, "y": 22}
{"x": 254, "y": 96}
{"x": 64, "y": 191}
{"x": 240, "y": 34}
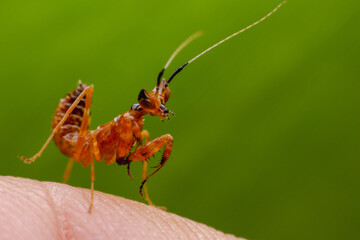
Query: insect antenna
{"x": 224, "y": 40}
{"x": 182, "y": 45}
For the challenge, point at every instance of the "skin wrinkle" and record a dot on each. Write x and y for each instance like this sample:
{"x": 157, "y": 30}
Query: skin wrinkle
{"x": 112, "y": 213}
{"x": 112, "y": 217}
{"x": 7, "y": 205}
{"x": 74, "y": 206}
{"x": 56, "y": 212}
{"x": 159, "y": 223}
{"x": 178, "y": 229}
{"x": 30, "y": 193}
{"x": 22, "y": 210}
{"x": 162, "y": 223}
{"x": 70, "y": 206}
{"x": 124, "y": 211}
{"x": 183, "y": 234}
{"x": 144, "y": 228}
{"x": 172, "y": 226}
{"x": 60, "y": 222}
{"x": 186, "y": 227}
{"x": 167, "y": 223}
{"x": 132, "y": 214}
{"x": 146, "y": 216}
{"x": 203, "y": 234}
{"x": 190, "y": 226}
{"x": 62, "y": 219}
{"x": 73, "y": 214}
{"x": 98, "y": 219}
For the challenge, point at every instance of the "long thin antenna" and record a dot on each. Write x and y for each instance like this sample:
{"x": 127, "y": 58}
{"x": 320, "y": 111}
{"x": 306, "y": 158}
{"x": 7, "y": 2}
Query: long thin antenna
{"x": 224, "y": 40}
{"x": 182, "y": 45}
{"x": 186, "y": 42}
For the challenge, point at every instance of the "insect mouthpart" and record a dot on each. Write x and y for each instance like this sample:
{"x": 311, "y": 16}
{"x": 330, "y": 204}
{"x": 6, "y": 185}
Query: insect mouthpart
{"x": 162, "y": 113}
{"x": 165, "y": 111}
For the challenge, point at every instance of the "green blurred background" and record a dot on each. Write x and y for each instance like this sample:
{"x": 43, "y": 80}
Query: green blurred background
{"x": 267, "y": 126}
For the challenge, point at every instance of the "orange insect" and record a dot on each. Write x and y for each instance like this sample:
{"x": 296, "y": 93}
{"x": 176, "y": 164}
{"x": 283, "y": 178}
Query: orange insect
{"x": 120, "y": 140}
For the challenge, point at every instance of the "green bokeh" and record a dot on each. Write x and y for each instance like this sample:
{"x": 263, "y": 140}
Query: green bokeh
{"x": 267, "y": 126}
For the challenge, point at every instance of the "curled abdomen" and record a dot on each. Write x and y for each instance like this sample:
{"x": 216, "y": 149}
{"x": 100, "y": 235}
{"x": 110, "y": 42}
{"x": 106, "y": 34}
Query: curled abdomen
{"x": 66, "y": 137}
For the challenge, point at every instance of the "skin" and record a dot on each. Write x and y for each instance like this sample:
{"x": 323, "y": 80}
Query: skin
{"x": 31, "y": 209}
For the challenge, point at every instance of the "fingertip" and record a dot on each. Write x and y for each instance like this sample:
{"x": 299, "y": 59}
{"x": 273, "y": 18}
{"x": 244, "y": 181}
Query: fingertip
{"x": 54, "y": 210}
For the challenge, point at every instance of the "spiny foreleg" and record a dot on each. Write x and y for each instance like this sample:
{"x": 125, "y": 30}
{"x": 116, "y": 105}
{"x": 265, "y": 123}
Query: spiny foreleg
{"x": 145, "y": 152}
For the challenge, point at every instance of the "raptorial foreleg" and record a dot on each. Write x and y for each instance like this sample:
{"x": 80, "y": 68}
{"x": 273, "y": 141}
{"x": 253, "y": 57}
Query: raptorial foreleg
{"x": 145, "y": 152}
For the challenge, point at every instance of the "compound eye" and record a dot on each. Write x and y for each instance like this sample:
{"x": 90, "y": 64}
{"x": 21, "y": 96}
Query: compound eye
{"x": 164, "y": 109}
{"x": 145, "y": 100}
{"x": 136, "y": 107}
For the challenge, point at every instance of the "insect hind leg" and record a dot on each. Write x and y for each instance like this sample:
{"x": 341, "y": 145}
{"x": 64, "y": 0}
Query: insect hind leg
{"x": 68, "y": 169}
{"x": 88, "y": 91}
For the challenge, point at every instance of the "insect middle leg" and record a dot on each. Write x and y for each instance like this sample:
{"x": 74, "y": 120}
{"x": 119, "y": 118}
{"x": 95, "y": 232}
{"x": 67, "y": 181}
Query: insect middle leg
{"x": 146, "y": 136}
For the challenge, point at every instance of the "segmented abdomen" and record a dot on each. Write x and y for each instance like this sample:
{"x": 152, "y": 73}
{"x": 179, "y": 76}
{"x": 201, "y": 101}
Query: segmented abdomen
{"x": 66, "y": 138}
